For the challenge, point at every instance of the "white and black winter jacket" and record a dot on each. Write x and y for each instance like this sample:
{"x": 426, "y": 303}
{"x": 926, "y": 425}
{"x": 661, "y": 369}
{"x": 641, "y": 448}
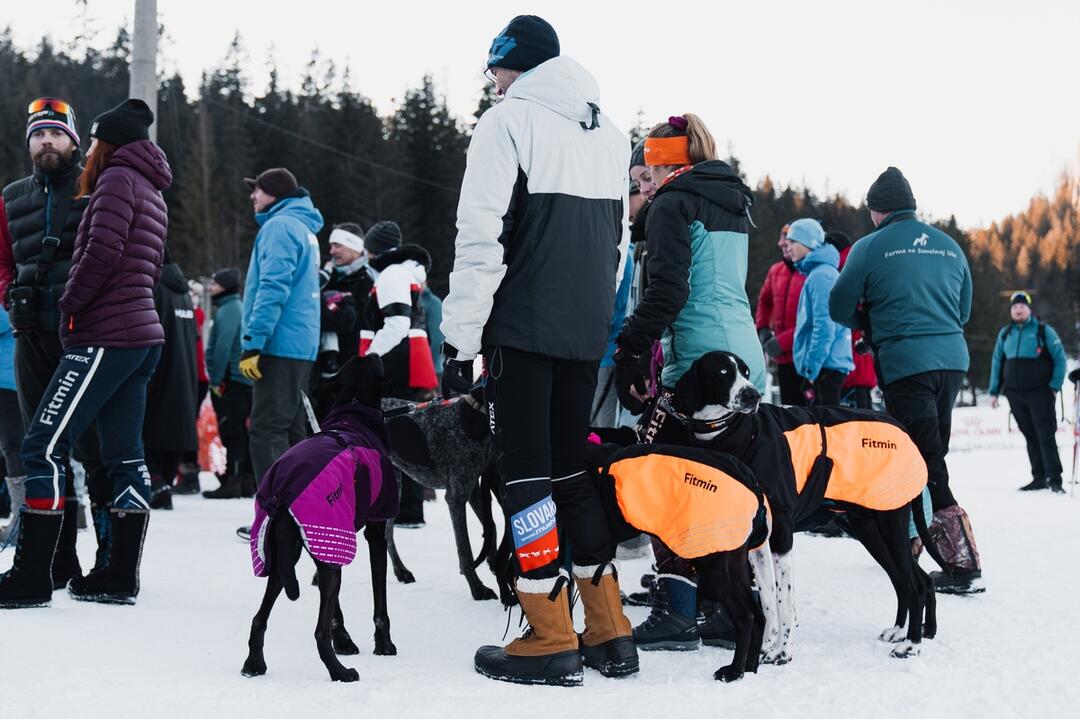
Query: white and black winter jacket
{"x": 541, "y": 221}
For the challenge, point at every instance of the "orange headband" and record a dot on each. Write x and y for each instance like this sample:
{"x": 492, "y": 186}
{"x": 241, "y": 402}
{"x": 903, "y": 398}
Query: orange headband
{"x": 667, "y": 151}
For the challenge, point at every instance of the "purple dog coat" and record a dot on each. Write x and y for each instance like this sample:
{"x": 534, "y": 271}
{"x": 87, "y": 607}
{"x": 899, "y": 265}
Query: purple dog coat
{"x": 332, "y": 483}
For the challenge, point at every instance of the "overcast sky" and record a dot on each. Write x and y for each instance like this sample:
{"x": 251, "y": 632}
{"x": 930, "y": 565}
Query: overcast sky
{"x": 977, "y": 102}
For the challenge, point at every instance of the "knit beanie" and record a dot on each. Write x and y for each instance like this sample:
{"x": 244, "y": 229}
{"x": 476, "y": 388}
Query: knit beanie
{"x": 383, "y": 237}
{"x": 637, "y": 155}
{"x": 46, "y": 113}
{"x": 228, "y": 279}
{"x": 890, "y": 192}
{"x": 808, "y": 232}
{"x": 276, "y": 182}
{"x": 523, "y": 44}
{"x": 126, "y": 123}
{"x": 1020, "y": 297}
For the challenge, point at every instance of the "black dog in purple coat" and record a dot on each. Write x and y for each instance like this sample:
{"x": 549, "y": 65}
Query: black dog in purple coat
{"x": 317, "y": 496}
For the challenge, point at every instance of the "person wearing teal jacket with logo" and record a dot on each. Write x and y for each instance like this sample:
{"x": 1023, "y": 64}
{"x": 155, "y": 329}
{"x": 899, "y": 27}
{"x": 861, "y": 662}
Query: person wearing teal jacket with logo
{"x": 1028, "y": 366}
{"x": 914, "y": 285}
{"x": 281, "y": 313}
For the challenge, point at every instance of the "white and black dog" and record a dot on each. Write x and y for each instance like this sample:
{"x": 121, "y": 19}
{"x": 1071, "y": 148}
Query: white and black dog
{"x": 861, "y": 461}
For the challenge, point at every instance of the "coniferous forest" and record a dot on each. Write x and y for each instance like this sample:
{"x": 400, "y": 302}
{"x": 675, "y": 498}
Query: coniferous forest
{"x": 363, "y": 167}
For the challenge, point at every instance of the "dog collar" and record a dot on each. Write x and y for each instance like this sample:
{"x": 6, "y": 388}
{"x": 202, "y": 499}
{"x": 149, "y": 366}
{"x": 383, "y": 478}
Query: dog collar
{"x": 697, "y": 425}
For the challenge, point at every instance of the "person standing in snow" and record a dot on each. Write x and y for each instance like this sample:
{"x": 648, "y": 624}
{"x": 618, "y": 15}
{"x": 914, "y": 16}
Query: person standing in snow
{"x": 1028, "y": 367}
{"x": 281, "y": 313}
{"x": 862, "y": 380}
{"x": 540, "y": 228}
{"x": 821, "y": 349}
{"x": 778, "y": 305}
{"x": 348, "y": 282}
{"x": 394, "y": 327}
{"x": 112, "y": 340}
{"x": 908, "y": 285}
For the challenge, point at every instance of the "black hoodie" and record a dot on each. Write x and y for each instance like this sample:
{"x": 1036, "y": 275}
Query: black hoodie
{"x": 171, "y": 396}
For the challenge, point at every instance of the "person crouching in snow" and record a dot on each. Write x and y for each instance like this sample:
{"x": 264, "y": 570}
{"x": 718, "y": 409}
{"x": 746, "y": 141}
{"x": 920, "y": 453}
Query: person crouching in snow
{"x": 822, "y": 347}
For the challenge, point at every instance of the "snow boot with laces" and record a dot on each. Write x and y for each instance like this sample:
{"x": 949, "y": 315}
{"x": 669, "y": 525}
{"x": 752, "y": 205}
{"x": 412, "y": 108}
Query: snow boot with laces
{"x": 607, "y": 644}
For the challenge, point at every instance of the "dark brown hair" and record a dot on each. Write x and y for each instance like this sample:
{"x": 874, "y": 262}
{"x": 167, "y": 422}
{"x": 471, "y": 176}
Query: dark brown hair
{"x": 95, "y": 165}
{"x": 702, "y": 146}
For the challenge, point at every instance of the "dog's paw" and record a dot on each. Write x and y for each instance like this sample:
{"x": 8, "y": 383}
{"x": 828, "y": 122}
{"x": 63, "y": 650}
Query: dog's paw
{"x": 404, "y": 576}
{"x": 893, "y": 635}
{"x": 385, "y": 648}
{"x": 727, "y": 674}
{"x": 906, "y": 649}
{"x": 345, "y": 675}
{"x": 929, "y": 630}
{"x": 482, "y": 592}
{"x": 253, "y": 667}
{"x": 776, "y": 658}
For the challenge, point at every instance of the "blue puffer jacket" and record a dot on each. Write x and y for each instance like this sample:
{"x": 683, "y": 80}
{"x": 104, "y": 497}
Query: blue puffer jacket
{"x": 1020, "y": 341}
{"x": 820, "y": 343}
{"x": 7, "y": 352}
{"x": 281, "y": 296}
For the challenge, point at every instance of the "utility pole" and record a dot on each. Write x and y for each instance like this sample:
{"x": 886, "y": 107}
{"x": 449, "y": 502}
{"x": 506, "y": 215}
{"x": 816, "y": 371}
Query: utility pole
{"x": 143, "y": 69}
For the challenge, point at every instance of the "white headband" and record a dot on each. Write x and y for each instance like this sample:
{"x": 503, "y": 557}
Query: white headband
{"x": 347, "y": 239}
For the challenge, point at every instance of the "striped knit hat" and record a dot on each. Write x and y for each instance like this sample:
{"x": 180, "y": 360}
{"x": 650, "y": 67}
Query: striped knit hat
{"x": 52, "y": 113}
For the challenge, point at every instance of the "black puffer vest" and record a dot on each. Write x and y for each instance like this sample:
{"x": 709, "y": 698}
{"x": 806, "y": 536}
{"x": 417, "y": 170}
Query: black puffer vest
{"x": 32, "y": 209}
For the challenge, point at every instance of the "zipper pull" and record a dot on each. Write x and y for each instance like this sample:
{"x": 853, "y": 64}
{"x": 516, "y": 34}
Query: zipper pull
{"x": 71, "y": 323}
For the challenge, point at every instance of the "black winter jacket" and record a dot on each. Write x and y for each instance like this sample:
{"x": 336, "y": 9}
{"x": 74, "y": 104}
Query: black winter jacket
{"x": 172, "y": 400}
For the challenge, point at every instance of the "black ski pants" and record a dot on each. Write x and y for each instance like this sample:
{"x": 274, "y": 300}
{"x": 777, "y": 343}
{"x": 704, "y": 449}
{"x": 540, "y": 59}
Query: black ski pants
{"x": 790, "y": 383}
{"x": 539, "y": 414}
{"x": 1035, "y": 416}
{"x": 923, "y": 404}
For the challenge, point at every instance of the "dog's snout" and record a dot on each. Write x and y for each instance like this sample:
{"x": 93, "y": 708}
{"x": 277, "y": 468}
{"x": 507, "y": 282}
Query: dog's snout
{"x": 749, "y": 397}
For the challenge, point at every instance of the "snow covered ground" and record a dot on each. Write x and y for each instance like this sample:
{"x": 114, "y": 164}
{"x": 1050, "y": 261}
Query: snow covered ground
{"x": 1009, "y": 652}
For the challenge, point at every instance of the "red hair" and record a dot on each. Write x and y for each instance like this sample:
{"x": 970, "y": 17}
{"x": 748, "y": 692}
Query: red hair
{"x": 95, "y": 165}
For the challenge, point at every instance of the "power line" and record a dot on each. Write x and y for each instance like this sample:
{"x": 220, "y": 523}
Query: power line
{"x": 330, "y": 148}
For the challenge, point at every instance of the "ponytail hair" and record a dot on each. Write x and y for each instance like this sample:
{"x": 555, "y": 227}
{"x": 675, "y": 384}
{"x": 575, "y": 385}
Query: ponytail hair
{"x": 702, "y": 146}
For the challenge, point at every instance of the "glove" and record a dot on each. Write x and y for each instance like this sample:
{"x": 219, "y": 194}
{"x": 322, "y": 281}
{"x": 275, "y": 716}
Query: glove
{"x": 325, "y": 274}
{"x": 807, "y": 390}
{"x": 1074, "y": 376}
{"x": 457, "y": 376}
{"x": 632, "y": 380}
{"x": 862, "y": 346}
{"x": 764, "y": 334}
{"x": 249, "y": 365}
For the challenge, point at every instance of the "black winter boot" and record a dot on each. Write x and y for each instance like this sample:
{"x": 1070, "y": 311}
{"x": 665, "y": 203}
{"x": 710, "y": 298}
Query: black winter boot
{"x": 118, "y": 582}
{"x": 29, "y": 581}
{"x": 103, "y": 531}
{"x": 1055, "y": 485}
{"x": 230, "y": 489}
{"x": 672, "y": 624}
{"x": 65, "y": 564}
{"x": 247, "y": 485}
{"x": 1036, "y": 484}
{"x": 189, "y": 480}
{"x": 160, "y": 493}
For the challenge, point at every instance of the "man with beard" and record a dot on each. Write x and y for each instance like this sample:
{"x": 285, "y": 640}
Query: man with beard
{"x": 36, "y": 245}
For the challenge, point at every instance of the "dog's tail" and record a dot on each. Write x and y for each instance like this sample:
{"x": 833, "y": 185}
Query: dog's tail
{"x": 919, "y": 517}
{"x": 487, "y": 520}
{"x": 285, "y": 552}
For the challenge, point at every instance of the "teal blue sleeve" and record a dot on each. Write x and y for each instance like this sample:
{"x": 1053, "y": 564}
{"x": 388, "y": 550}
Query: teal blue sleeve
{"x": 965, "y": 295}
{"x": 995, "y": 365}
{"x": 1057, "y": 352}
{"x": 219, "y": 344}
{"x": 847, "y": 293}
{"x": 279, "y": 255}
{"x": 822, "y": 328}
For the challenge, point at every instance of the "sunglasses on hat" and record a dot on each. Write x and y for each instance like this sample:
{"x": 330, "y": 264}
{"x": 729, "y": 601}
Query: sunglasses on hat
{"x": 56, "y": 104}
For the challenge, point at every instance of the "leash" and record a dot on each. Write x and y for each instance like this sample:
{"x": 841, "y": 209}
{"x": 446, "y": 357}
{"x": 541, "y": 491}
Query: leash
{"x": 412, "y": 407}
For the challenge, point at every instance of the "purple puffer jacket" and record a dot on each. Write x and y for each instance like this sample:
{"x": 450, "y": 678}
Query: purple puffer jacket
{"x": 119, "y": 251}
{"x": 331, "y": 483}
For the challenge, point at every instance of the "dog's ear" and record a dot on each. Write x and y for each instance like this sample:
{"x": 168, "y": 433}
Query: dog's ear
{"x": 688, "y": 390}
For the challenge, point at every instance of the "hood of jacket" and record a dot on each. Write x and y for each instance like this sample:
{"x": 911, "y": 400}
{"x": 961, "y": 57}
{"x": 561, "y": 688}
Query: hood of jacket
{"x": 400, "y": 255}
{"x": 824, "y": 255}
{"x": 561, "y": 85}
{"x": 146, "y": 158}
{"x": 297, "y": 205}
{"x": 715, "y": 181}
{"x": 173, "y": 278}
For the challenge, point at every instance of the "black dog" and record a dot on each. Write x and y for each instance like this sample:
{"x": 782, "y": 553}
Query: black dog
{"x": 707, "y": 507}
{"x": 862, "y": 461}
{"x": 316, "y": 497}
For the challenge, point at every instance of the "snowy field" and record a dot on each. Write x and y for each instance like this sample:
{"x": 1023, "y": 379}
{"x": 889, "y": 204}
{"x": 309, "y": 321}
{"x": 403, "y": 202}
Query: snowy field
{"x": 1009, "y": 652}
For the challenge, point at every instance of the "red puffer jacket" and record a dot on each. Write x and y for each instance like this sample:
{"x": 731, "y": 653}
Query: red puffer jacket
{"x": 863, "y": 375}
{"x": 778, "y": 304}
{"x": 119, "y": 251}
